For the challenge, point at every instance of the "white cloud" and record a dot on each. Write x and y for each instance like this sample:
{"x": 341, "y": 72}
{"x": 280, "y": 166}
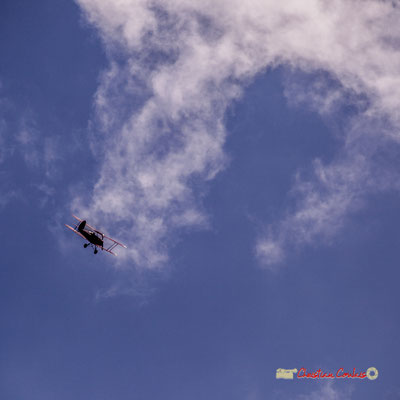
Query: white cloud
{"x": 322, "y": 202}
{"x": 4, "y": 147}
{"x": 327, "y": 392}
{"x": 22, "y": 141}
{"x": 333, "y": 191}
{"x": 2, "y": 140}
{"x": 7, "y": 194}
{"x": 270, "y": 251}
{"x": 176, "y": 65}
{"x": 26, "y": 141}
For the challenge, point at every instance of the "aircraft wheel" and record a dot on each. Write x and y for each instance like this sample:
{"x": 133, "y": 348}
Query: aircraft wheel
{"x": 85, "y": 245}
{"x": 95, "y": 251}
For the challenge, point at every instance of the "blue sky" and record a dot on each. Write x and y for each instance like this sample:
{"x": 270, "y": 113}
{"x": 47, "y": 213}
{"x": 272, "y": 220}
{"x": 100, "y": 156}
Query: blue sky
{"x": 248, "y": 157}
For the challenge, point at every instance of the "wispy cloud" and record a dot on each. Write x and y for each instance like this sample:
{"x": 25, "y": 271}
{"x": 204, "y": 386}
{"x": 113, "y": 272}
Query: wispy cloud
{"x": 175, "y": 66}
{"x": 327, "y": 392}
{"x": 321, "y": 391}
{"x": 328, "y": 194}
{"x": 7, "y": 194}
{"x": 22, "y": 142}
{"x": 27, "y": 142}
{"x": 4, "y": 150}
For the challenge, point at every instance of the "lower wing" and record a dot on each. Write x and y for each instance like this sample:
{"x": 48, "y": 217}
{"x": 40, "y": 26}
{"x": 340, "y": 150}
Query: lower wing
{"x": 75, "y": 231}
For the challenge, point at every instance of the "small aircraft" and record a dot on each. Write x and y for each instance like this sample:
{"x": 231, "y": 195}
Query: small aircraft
{"x": 94, "y": 237}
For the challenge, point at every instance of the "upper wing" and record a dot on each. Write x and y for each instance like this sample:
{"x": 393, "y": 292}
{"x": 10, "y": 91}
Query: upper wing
{"x": 113, "y": 245}
{"x": 80, "y": 220}
{"x": 115, "y": 242}
{"x": 87, "y": 225}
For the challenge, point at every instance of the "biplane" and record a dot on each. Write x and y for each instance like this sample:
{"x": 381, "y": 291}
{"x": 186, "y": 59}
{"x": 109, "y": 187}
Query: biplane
{"x": 95, "y": 238}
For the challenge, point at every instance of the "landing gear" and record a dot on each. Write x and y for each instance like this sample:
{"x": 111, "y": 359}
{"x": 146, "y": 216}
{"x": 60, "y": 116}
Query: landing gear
{"x": 91, "y": 245}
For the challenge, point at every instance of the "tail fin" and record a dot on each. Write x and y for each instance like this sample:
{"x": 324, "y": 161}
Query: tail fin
{"x": 81, "y": 226}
